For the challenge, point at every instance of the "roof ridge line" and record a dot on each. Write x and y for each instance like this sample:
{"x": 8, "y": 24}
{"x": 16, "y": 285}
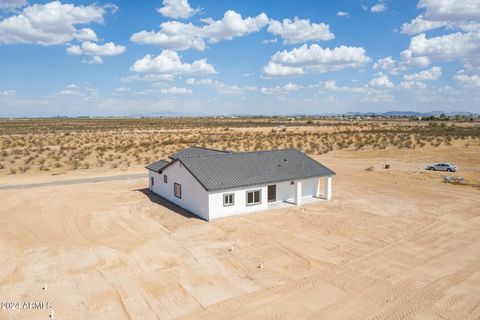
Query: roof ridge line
{"x": 235, "y": 153}
{"x": 211, "y": 149}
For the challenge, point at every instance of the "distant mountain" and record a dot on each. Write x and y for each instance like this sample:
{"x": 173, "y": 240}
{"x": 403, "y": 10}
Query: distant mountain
{"x": 462, "y": 113}
{"x": 411, "y": 113}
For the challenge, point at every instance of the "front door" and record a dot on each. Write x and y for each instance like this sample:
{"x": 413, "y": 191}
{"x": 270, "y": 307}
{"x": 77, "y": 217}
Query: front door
{"x": 272, "y": 193}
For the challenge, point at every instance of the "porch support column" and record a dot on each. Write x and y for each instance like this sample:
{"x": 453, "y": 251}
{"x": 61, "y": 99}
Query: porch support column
{"x": 328, "y": 188}
{"x": 317, "y": 192}
{"x": 298, "y": 193}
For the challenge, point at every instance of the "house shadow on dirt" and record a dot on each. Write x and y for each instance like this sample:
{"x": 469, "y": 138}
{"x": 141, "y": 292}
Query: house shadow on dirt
{"x": 155, "y": 198}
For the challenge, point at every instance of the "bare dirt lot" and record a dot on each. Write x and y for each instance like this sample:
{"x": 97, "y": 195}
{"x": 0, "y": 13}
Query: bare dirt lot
{"x": 392, "y": 244}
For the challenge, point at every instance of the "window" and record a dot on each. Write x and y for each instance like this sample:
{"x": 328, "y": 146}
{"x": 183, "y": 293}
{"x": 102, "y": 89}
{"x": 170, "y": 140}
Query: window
{"x": 228, "y": 199}
{"x": 177, "y": 190}
{"x": 165, "y": 178}
{"x": 152, "y": 181}
{"x": 253, "y": 197}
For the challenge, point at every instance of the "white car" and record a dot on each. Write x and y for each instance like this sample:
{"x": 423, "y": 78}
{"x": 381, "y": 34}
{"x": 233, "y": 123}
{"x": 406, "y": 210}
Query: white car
{"x": 442, "y": 167}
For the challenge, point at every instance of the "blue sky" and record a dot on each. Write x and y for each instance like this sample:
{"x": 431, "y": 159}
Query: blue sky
{"x": 238, "y": 57}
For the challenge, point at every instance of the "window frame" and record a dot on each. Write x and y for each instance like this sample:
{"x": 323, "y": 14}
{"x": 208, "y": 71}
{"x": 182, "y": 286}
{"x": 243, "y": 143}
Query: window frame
{"x": 175, "y": 190}
{"x": 152, "y": 181}
{"x": 259, "y": 197}
{"x": 225, "y": 195}
{"x": 165, "y": 178}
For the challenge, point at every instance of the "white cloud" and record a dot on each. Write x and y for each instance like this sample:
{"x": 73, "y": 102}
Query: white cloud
{"x": 192, "y": 81}
{"x": 147, "y": 78}
{"x": 330, "y": 85}
{"x": 113, "y": 8}
{"x": 160, "y": 84}
{"x": 52, "y": 23}
{"x": 379, "y": 7}
{"x": 419, "y": 24}
{"x": 298, "y": 30}
{"x": 274, "y": 40}
{"x": 283, "y": 90}
{"x": 173, "y": 35}
{"x": 182, "y": 36}
{"x": 232, "y": 25}
{"x": 96, "y": 51}
{"x": 220, "y": 86}
{"x": 177, "y": 9}
{"x": 176, "y": 90}
{"x": 70, "y": 90}
{"x": 389, "y": 64}
{"x": 452, "y": 14}
{"x": 468, "y": 81}
{"x": 407, "y": 85}
{"x": 12, "y": 4}
{"x": 93, "y": 60}
{"x": 7, "y": 93}
{"x": 86, "y": 34}
{"x": 275, "y": 69}
{"x": 423, "y": 51}
{"x": 342, "y": 14}
{"x": 375, "y": 94}
{"x": 168, "y": 62}
{"x": 93, "y": 49}
{"x": 315, "y": 59}
{"x": 381, "y": 81}
{"x": 450, "y": 10}
{"x": 122, "y": 89}
{"x": 386, "y": 63}
{"x": 433, "y": 73}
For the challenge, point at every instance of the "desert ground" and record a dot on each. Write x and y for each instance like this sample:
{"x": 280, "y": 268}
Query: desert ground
{"x": 393, "y": 243}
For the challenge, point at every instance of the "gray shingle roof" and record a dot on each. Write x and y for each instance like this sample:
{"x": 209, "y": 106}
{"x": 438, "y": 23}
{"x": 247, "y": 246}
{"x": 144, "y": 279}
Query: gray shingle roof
{"x": 157, "y": 165}
{"x": 222, "y": 171}
{"x": 196, "y": 151}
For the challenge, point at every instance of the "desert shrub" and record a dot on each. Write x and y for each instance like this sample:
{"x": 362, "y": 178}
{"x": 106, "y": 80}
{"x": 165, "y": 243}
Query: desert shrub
{"x": 23, "y": 169}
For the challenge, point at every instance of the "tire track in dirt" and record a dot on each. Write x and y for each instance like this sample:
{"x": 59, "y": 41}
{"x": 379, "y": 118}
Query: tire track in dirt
{"x": 458, "y": 307}
{"x": 409, "y": 305}
{"x": 347, "y": 276}
{"x": 312, "y": 261}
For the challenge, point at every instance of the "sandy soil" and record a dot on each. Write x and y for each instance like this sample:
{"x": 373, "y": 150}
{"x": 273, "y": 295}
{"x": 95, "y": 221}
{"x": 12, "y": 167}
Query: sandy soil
{"x": 392, "y": 244}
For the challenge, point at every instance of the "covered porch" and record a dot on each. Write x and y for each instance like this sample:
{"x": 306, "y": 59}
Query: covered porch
{"x": 296, "y": 195}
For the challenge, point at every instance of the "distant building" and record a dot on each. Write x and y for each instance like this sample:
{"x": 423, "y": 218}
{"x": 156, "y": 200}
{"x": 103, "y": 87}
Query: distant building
{"x": 214, "y": 184}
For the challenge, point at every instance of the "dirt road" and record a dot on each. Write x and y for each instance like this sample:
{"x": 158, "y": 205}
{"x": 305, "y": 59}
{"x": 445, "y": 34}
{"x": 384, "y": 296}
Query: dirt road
{"x": 68, "y": 182}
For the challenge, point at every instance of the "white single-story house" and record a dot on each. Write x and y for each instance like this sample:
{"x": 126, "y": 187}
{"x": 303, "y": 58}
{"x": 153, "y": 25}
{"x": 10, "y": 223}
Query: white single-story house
{"x": 215, "y": 184}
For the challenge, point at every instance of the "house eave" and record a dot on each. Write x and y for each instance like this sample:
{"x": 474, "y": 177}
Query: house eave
{"x": 266, "y": 183}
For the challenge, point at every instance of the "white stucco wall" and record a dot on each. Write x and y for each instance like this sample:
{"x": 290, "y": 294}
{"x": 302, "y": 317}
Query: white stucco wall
{"x": 218, "y": 210}
{"x": 194, "y": 196}
{"x": 310, "y": 187}
{"x": 285, "y": 192}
